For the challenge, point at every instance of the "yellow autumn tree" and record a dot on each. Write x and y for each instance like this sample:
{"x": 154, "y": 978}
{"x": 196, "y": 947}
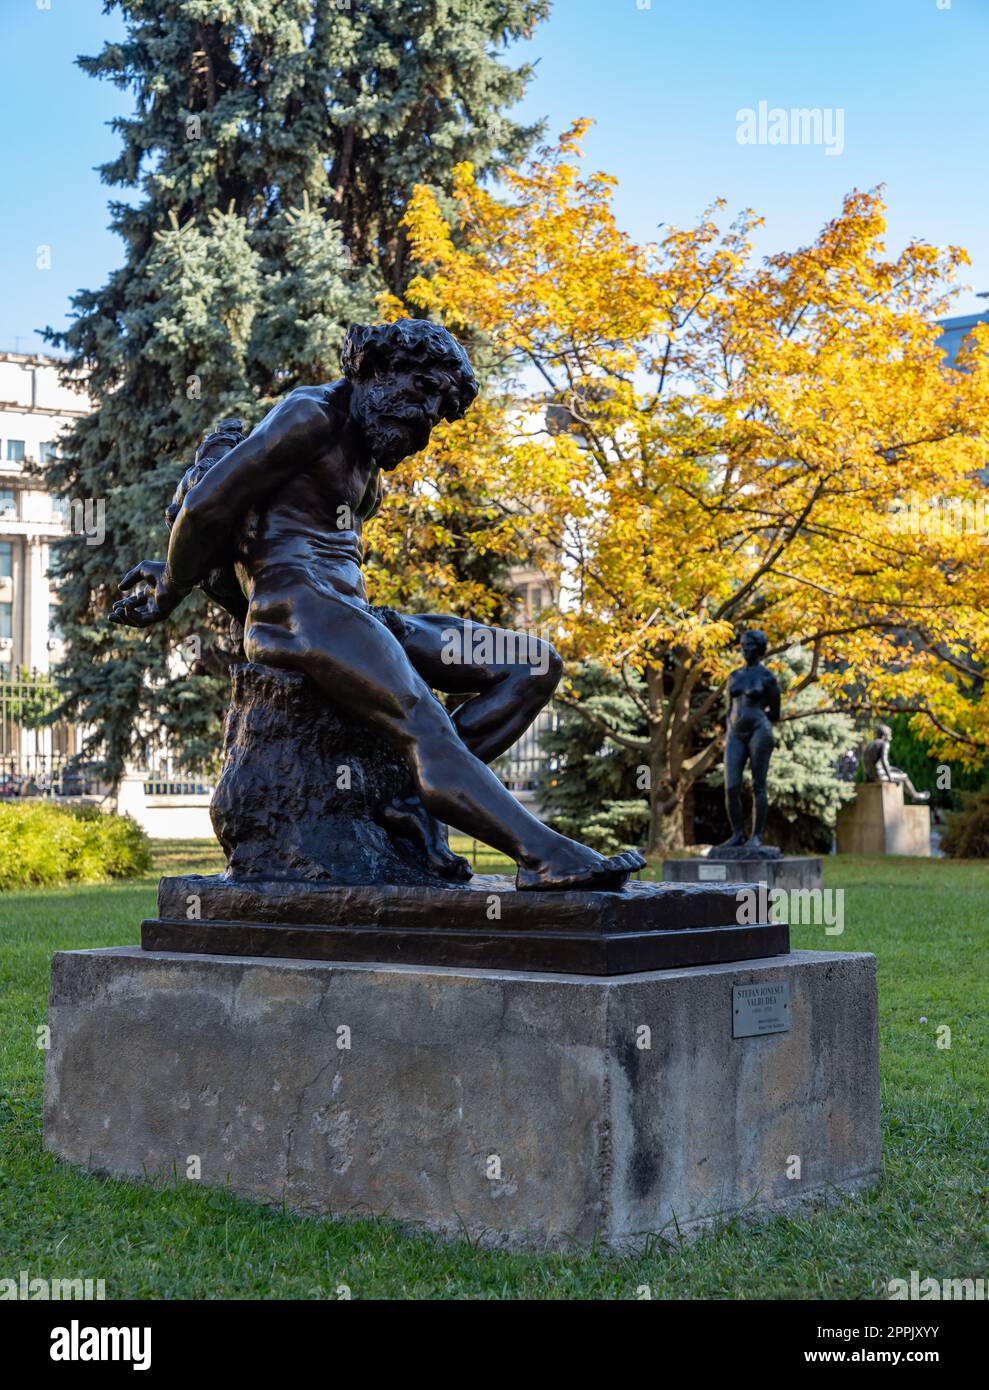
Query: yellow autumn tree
{"x": 710, "y": 443}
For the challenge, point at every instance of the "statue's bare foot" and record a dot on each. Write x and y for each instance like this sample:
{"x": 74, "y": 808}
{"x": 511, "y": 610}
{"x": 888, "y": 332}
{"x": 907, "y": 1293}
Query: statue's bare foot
{"x": 574, "y": 866}
{"x": 407, "y": 817}
{"x": 734, "y": 842}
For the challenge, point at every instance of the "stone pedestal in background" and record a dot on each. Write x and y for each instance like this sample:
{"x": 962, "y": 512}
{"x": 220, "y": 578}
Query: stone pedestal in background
{"x": 131, "y": 797}
{"x": 879, "y": 822}
{"x": 788, "y": 872}
{"x": 522, "y": 1108}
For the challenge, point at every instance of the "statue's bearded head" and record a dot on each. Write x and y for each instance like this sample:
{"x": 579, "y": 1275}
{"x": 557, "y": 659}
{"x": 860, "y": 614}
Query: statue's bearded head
{"x": 407, "y": 376}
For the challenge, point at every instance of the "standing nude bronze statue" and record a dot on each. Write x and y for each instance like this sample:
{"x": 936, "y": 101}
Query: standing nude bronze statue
{"x": 753, "y": 709}
{"x": 270, "y": 526}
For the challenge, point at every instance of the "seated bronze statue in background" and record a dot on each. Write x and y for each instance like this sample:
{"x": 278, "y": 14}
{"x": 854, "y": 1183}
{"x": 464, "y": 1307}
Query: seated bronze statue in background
{"x": 878, "y": 768}
{"x": 753, "y": 708}
{"x": 270, "y": 526}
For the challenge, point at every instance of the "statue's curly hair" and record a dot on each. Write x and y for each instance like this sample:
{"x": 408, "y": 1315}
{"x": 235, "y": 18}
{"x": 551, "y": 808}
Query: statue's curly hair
{"x": 408, "y": 343}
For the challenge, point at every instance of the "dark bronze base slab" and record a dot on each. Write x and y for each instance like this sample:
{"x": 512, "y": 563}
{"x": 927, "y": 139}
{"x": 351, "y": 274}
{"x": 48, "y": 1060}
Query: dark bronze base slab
{"x": 588, "y": 953}
{"x": 485, "y": 924}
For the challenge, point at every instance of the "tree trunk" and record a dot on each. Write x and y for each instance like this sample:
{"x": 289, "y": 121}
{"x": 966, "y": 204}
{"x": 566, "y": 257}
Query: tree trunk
{"x": 665, "y": 812}
{"x": 665, "y": 828}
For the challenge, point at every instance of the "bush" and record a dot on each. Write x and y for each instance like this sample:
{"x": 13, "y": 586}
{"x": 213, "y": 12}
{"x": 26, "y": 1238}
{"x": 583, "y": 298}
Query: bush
{"x": 966, "y": 835}
{"x": 42, "y": 843}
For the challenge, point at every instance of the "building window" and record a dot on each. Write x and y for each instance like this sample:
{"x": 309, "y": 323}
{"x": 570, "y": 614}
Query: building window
{"x": 15, "y": 450}
{"x": 6, "y": 620}
{"x": 8, "y": 501}
{"x": 47, "y": 453}
{"x": 6, "y": 560}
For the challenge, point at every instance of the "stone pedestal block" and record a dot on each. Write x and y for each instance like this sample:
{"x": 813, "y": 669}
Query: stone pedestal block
{"x": 790, "y": 872}
{"x": 525, "y": 1109}
{"x": 879, "y": 822}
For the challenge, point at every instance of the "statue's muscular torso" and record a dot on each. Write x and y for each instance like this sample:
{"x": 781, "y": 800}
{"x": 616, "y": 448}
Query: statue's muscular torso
{"x": 309, "y": 530}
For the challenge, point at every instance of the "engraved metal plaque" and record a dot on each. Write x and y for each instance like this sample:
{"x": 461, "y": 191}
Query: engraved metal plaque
{"x": 760, "y": 1008}
{"x": 711, "y": 873}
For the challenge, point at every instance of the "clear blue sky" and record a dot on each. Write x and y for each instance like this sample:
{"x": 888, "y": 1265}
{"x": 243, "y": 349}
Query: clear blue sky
{"x": 663, "y": 84}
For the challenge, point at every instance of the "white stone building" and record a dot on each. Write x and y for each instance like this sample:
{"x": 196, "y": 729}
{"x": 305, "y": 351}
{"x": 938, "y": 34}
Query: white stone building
{"x": 34, "y": 410}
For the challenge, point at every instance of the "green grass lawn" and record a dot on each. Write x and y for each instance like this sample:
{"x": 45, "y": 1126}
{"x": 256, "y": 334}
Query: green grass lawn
{"x": 926, "y": 920}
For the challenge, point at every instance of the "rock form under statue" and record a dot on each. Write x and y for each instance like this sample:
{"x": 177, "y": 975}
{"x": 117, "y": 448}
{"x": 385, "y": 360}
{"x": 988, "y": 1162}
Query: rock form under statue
{"x": 280, "y": 816}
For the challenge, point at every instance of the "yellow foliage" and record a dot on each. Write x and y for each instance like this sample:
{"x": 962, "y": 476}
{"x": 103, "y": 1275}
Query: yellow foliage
{"x": 732, "y": 442}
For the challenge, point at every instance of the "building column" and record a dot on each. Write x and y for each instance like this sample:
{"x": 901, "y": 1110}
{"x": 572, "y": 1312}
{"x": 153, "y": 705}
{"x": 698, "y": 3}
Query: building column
{"x": 36, "y": 605}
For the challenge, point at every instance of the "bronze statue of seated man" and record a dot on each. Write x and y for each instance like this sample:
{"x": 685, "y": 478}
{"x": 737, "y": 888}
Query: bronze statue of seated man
{"x": 270, "y": 526}
{"x": 878, "y": 768}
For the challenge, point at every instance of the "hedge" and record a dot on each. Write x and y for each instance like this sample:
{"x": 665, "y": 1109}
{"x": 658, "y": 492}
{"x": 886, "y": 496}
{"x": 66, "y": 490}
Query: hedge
{"x": 44, "y": 843}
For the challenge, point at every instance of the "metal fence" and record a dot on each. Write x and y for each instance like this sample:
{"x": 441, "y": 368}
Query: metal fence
{"x": 157, "y": 784}
{"x": 524, "y": 765}
{"x": 38, "y": 758}
{"x": 46, "y": 775}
